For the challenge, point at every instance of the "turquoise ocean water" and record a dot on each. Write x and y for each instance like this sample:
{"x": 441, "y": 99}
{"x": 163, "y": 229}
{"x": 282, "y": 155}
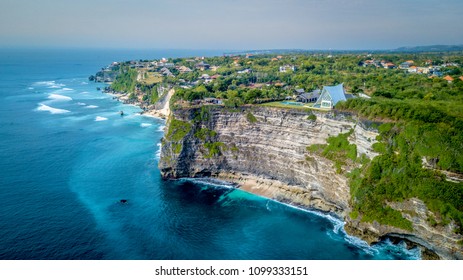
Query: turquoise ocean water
{"x": 68, "y": 158}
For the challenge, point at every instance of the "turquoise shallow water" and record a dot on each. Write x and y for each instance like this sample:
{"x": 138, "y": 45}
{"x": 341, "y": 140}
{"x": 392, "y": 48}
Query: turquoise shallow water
{"x": 68, "y": 158}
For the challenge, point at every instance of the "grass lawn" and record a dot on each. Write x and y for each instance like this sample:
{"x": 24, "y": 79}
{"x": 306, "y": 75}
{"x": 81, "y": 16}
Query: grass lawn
{"x": 153, "y": 78}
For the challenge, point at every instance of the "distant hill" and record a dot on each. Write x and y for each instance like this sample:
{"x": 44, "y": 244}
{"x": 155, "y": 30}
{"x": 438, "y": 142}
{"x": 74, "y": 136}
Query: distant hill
{"x": 432, "y": 48}
{"x": 414, "y": 49}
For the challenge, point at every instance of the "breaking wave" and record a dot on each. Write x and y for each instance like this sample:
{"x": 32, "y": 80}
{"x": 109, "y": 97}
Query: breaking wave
{"x": 59, "y": 97}
{"x": 158, "y": 152}
{"x": 43, "y": 107}
{"x": 49, "y": 84}
{"x": 145, "y": 124}
{"x": 100, "y": 119}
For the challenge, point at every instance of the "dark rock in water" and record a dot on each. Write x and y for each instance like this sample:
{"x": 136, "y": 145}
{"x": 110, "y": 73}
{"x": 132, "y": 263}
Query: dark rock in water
{"x": 123, "y": 201}
{"x": 121, "y": 112}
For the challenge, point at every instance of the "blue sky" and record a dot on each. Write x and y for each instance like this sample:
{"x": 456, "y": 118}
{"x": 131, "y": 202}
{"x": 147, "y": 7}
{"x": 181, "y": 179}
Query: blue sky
{"x": 232, "y": 24}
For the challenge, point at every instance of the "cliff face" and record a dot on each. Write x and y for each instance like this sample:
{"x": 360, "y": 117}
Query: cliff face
{"x": 263, "y": 150}
{"x": 267, "y": 155}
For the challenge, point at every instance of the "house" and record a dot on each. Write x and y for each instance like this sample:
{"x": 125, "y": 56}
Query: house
{"x": 166, "y": 72}
{"x": 202, "y": 66}
{"x": 207, "y": 79}
{"x": 412, "y": 69}
{"x": 405, "y": 65}
{"x": 461, "y": 78}
{"x": 330, "y": 96}
{"x": 299, "y": 91}
{"x": 211, "y": 100}
{"x": 286, "y": 68}
{"x": 245, "y": 71}
{"x": 184, "y": 69}
{"x": 448, "y": 79}
{"x": 389, "y": 65}
{"x": 308, "y": 97}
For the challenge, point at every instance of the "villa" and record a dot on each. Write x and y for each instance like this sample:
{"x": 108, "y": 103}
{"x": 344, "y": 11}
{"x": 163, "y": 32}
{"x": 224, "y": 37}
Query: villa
{"x": 330, "y": 96}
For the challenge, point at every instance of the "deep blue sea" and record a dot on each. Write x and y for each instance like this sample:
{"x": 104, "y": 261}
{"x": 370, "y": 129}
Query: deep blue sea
{"x": 68, "y": 158}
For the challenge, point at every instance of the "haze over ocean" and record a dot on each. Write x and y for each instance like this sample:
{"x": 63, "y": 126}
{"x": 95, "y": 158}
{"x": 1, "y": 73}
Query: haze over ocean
{"x": 68, "y": 158}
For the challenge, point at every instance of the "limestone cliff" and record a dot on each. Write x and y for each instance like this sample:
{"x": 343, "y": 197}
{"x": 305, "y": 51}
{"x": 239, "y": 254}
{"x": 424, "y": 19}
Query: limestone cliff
{"x": 263, "y": 150}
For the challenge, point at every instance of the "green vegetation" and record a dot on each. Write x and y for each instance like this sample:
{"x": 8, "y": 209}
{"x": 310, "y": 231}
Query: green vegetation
{"x": 151, "y": 78}
{"x": 251, "y": 118}
{"x": 202, "y": 115}
{"x": 337, "y": 150}
{"x": 312, "y": 117}
{"x": 205, "y": 134}
{"x": 177, "y": 130}
{"x": 125, "y": 81}
{"x": 154, "y": 95}
{"x": 398, "y": 174}
{"x": 234, "y": 148}
{"x": 214, "y": 149}
{"x": 177, "y": 148}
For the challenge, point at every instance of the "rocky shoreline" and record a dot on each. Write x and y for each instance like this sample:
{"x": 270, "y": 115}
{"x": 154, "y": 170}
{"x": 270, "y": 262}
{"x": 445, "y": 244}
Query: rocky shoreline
{"x": 315, "y": 192}
{"x": 268, "y": 158}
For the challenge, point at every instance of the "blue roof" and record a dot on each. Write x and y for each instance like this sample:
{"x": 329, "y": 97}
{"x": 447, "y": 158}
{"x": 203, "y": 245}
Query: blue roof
{"x": 336, "y": 93}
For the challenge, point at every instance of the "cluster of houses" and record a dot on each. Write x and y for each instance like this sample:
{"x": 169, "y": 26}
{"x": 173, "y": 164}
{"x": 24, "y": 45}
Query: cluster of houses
{"x": 431, "y": 70}
{"x": 378, "y": 64}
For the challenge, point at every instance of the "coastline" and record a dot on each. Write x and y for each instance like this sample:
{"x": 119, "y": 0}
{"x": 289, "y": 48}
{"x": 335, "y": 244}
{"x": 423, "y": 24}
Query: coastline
{"x": 147, "y": 110}
{"x": 260, "y": 187}
{"x": 272, "y": 190}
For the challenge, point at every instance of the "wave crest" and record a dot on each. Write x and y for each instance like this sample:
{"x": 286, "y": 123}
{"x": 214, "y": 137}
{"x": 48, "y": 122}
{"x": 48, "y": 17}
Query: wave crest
{"x": 43, "y": 107}
{"x": 100, "y": 119}
{"x": 59, "y": 97}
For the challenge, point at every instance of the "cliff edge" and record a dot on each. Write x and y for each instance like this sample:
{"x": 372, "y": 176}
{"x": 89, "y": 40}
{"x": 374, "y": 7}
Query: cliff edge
{"x": 265, "y": 151}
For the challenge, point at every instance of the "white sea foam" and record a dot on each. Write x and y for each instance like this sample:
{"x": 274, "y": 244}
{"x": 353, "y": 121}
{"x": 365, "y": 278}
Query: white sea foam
{"x": 100, "y": 119}
{"x": 85, "y": 92}
{"x": 161, "y": 128}
{"x": 158, "y": 152}
{"x": 45, "y": 83}
{"x": 31, "y": 88}
{"x": 59, "y": 97}
{"x": 81, "y": 103}
{"x": 210, "y": 182}
{"x": 43, "y": 107}
{"x": 91, "y": 106}
{"x": 67, "y": 89}
{"x": 84, "y": 83}
{"x": 49, "y": 84}
{"x": 145, "y": 124}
